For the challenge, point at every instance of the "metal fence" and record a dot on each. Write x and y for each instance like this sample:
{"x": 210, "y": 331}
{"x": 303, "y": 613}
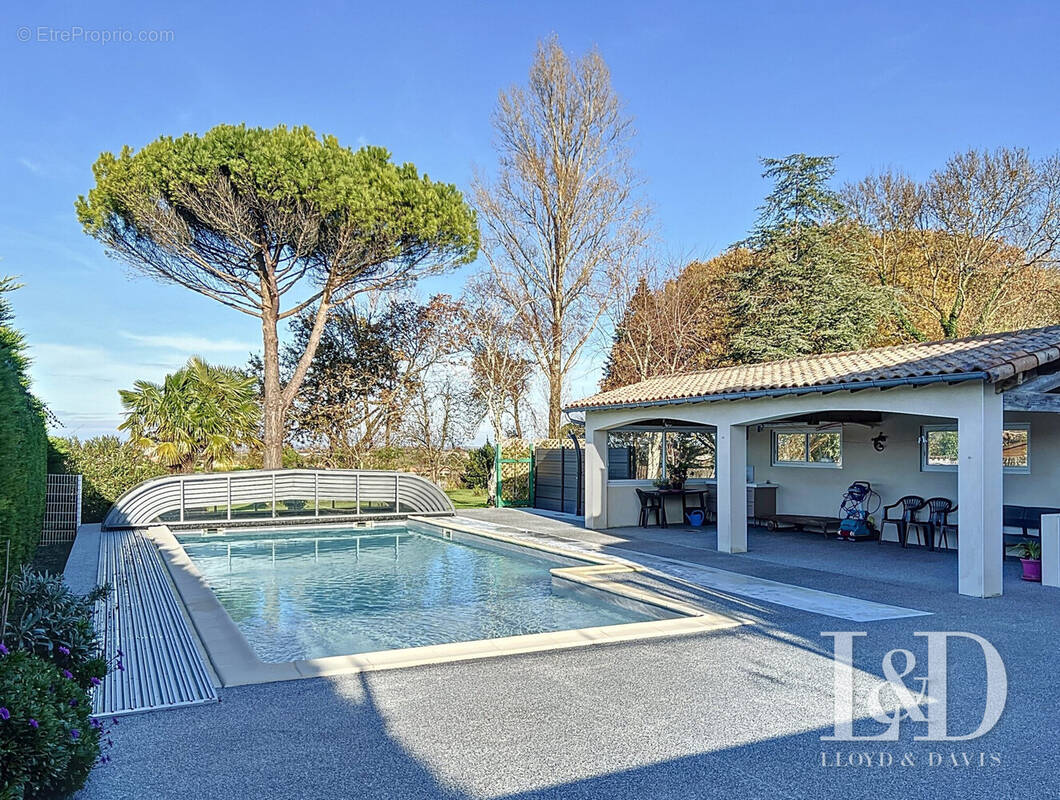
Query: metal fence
{"x": 62, "y": 509}
{"x": 269, "y": 495}
{"x": 514, "y": 469}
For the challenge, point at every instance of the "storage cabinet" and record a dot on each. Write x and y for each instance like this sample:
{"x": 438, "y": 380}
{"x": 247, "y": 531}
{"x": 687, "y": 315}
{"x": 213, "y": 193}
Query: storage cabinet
{"x": 761, "y": 501}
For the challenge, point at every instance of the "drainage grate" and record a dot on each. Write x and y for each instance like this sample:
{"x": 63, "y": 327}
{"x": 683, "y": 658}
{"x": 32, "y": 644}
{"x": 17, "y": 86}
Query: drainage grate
{"x": 142, "y": 618}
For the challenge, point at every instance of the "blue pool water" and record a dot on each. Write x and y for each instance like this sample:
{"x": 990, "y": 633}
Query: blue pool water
{"x": 299, "y": 594}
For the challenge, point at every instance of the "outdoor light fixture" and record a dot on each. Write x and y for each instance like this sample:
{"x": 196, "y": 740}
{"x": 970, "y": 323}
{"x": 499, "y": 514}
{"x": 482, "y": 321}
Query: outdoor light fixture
{"x": 879, "y": 442}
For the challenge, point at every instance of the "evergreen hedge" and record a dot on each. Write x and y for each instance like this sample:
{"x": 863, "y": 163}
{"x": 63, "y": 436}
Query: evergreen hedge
{"x": 23, "y": 447}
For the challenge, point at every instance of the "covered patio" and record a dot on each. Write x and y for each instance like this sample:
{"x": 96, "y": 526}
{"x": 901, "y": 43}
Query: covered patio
{"x": 963, "y": 419}
{"x": 771, "y": 552}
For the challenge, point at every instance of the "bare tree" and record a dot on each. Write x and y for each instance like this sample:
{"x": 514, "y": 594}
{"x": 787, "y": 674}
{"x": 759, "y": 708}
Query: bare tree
{"x": 342, "y": 406}
{"x": 672, "y": 320}
{"x": 963, "y": 249}
{"x": 440, "y": 417}
{"x": 500, "y": 371}
{"x": 369, "y": 366}
{"x": 428, "y": 338}
{"x": 562, "y": 217}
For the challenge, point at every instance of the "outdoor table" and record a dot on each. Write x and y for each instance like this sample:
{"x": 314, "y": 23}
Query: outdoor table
{"x": 683, "y": 494}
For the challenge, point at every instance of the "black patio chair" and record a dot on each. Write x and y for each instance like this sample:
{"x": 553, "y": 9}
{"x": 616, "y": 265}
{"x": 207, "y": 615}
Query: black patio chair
{"x": 910, "y": 505}
{"x": 937, "y": 522}
{"x": 651, "y": 503}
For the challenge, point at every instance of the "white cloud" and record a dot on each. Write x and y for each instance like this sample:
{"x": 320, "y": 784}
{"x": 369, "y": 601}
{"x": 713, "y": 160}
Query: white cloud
{"x": 32, "y": 166}
{"x": 85, "y": 426}
{"x": 189, "y": 343}
{"x": 80, "y": 383}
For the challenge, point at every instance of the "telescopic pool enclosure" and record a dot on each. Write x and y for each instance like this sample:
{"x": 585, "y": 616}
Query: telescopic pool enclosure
{"x": 290, "y": 495}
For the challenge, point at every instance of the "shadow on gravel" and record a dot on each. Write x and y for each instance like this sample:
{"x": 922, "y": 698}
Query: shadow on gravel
{"x": 802, "y": 767}
{"x": 284, "y": 740}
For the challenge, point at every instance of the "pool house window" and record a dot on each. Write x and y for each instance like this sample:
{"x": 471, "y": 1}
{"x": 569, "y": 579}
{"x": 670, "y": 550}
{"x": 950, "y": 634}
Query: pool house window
{"x": 939, "y": 448}
{"x": 646, "y": 453}
{"x": 807, "y": 448}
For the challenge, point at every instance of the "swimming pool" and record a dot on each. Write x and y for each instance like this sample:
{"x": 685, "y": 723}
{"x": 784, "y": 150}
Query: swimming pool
{"x": 312, "y": 593}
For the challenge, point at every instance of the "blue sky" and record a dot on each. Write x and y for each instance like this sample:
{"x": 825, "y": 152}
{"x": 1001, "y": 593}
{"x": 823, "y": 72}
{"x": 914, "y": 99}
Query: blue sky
{"x": 712, "y": 87}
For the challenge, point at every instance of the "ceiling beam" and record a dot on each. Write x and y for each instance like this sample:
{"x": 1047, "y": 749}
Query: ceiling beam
{"x": 1041, "y": 383}
{"x": 1031, "y": 401}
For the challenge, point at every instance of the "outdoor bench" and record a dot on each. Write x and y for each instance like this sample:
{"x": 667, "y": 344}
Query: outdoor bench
{"x": 803, "y": 522}
{"x": 1026, "y": 518}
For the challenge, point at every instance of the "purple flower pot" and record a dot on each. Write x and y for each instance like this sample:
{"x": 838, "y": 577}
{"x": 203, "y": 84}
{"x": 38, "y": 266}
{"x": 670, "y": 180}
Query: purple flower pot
{"x": 1032, "y": 569}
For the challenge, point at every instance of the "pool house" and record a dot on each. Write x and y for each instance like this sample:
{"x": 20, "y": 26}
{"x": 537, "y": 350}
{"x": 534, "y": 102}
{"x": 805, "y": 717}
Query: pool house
{"x": 971, "y": 420}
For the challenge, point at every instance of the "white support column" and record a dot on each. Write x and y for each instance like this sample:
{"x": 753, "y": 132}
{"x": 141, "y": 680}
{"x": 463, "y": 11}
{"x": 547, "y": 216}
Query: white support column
{"x": 595, "y": 477}
{"x": 979, "y": 494}
{"x": 731, "y": 464}
{"x": 1051, "y": 549}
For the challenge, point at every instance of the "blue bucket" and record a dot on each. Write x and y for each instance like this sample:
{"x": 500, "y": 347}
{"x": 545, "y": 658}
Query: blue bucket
{"x": 695, "y": 518}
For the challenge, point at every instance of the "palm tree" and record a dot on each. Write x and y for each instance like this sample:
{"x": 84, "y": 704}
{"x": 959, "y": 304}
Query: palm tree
{"x": 197, "y": 415}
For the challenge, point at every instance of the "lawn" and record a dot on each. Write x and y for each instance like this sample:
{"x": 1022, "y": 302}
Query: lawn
{"x": 467, "y": 498}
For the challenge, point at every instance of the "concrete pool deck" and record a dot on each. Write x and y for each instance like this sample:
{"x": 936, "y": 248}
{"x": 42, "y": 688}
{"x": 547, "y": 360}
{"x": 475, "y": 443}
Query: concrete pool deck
{"x": 803, "y": 559}
{"x": 842, "y": 606}
{"x": 736, "y": 713}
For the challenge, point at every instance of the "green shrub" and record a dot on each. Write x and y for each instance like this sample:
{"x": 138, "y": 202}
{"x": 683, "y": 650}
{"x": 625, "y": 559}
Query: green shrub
{"x": 108, "y": 467}
{"x": 389, "y": 458}
{"x": 23, "y": 445}
{"x": 50, "y": 657}
{"x": 49, "y": 620}
{"x": 48, "y": 744}
{"x": 479, "y": 466}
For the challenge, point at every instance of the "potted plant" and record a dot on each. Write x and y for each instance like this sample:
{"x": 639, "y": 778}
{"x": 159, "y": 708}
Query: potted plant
{"x": 678, "y": 474}
{"x": 1030, "y": 555}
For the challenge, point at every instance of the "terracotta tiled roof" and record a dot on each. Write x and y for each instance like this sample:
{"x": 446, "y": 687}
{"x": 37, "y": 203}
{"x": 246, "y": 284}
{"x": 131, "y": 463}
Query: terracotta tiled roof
{"x": 992, "y": 357}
